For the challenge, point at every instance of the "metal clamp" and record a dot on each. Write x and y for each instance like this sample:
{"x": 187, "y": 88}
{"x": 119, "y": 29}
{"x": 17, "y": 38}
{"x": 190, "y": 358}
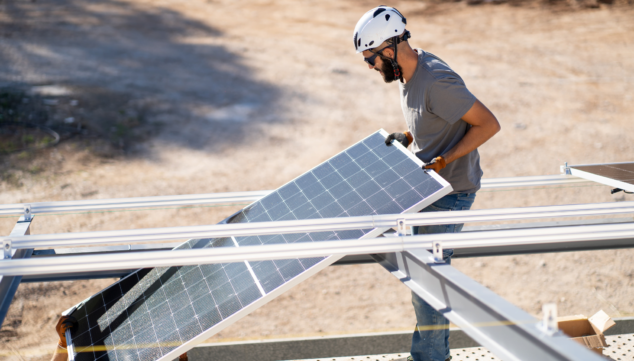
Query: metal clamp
{"x": 6, "y": 248}
{"x": 549, "y": 322}
{"x": 28, "y": 216}
{"x": 401, "y": 228}
{"x": 437, "y": 252}
{"x": 565, "y": 169}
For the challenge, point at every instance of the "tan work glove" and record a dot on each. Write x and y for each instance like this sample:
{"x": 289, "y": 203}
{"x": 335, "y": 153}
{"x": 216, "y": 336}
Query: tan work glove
{"x": 436, "y": 164}
{"x": 64, "y": 323}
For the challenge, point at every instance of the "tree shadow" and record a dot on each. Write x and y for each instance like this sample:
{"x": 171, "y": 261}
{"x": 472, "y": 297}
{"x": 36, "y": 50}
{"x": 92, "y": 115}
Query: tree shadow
{"x": 125, "y": 72}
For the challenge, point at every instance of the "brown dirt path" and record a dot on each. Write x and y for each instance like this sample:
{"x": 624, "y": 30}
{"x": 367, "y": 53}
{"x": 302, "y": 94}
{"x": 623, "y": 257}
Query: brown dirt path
{"x": 250, "y": 94}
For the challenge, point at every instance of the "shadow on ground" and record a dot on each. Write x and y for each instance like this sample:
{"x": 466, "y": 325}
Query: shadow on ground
{"x": 121, "y": 72}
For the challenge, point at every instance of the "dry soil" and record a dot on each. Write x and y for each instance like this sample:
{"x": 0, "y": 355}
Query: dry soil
{"x": 245, "y": 95}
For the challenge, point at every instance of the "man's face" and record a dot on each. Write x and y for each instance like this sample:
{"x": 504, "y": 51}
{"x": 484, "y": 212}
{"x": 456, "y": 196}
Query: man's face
{"x": 381, "y": 65}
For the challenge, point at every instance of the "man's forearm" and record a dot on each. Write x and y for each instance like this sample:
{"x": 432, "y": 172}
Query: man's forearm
{"x": 484, "y": 125}
{"x": 475, "y": 137}
{"x": 60, "y": 354}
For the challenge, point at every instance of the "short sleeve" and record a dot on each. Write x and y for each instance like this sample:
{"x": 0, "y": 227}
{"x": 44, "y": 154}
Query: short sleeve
{"x": 450, "y": 99}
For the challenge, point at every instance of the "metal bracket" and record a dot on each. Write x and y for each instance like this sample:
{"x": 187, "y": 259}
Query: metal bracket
{"x": 437, "y": 252}
{"x": 565, "y": 169}
{"x": 549, "y": 322}
{"x": 28, "y": 216}
{"x": 6, "y": 248}
{"x": 401, "y": 228}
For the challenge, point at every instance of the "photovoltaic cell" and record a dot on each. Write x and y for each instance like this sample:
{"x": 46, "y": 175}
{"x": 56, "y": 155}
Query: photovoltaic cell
{"x": 153, "y": 312}
{"x": 619, "y": 175}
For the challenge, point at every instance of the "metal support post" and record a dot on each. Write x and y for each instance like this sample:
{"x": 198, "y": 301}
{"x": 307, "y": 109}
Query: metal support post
{"x": 9, "y": 284}
{"x": 506, "y": 330}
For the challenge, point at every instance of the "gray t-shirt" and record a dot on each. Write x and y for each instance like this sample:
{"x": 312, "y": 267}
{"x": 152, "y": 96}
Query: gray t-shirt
{"x": 434, "y": 101}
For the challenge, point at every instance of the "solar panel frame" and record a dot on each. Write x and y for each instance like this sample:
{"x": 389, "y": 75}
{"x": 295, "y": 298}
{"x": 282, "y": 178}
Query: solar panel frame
{"x": 312, "y": 269}
{"x": 619, "y": 175}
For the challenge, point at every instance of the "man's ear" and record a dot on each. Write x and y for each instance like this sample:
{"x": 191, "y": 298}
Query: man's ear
{"x": 388, "y": 53}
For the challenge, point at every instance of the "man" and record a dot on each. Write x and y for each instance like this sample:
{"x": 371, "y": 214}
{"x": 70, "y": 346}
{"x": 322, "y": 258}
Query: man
{"x": 445, "y": 126}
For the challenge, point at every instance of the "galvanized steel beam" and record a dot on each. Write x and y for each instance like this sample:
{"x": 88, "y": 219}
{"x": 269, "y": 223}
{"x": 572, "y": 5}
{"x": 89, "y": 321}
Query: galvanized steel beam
{"x": 506, "y": 330}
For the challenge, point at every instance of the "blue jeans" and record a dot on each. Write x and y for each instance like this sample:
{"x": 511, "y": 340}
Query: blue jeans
{"x": 430, "y": 341}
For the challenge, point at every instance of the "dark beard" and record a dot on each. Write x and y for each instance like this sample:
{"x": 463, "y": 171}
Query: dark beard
{"x": 388, "y": 71}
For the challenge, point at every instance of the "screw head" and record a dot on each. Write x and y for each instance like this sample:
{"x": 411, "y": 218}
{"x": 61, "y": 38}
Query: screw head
{"x": 7, "y": 246}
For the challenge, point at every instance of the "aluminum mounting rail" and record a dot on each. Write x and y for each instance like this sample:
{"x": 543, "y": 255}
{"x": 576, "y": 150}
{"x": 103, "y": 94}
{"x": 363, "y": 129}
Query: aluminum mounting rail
{"x": 499, "y": 250}
{"x": 57, "y": 240}
{"x": 130, "y": 203}
{"x": 231, "y": 197}
{"x": 531, "y": 181}
{"x": 486, "y": 239}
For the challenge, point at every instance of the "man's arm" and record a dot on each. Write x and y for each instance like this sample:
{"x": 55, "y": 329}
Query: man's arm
{"x": 60, "y": 354}
{"x": 64, "y": 323}
{"x": 484, "y": 125}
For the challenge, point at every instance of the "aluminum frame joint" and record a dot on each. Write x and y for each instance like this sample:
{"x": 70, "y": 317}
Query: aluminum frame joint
{"x": 437, "y": 252}
{"x": 565, "y": 169}
{"x": 549, "y": 322}
{"x": 401, "y": 228}
{"x": 28, "y": 215}
{"x": 6, "y": 248}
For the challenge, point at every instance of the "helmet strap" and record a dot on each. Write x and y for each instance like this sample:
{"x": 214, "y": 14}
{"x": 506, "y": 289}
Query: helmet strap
{"x": 397, "y": 71}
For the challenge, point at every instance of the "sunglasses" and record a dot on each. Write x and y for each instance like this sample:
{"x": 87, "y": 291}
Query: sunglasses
{"x": 371, "y": 60}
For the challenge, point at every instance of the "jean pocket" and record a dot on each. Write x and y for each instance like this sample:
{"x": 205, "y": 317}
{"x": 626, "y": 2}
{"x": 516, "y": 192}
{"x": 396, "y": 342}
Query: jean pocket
{"x": 465, "y": 197}
{"x": 435, "y": 208}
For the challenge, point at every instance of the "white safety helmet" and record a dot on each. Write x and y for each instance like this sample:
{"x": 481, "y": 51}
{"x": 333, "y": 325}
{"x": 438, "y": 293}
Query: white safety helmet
{"x": 376, "y": 26}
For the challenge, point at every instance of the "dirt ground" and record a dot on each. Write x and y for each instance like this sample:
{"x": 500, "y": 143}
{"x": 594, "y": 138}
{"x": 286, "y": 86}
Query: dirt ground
{"x": 174, "y": 97}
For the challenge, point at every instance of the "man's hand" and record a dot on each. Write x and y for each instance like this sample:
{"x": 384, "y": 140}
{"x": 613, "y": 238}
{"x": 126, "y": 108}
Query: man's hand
{"x": 403, "y": 138}
{"x": 436, "y": 164}
{"x": 64, "y": 323}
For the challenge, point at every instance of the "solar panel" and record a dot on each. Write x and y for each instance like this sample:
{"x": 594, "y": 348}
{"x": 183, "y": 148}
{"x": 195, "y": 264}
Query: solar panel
{"x": 620, "y": 175}
{"x": 156, "y": 314}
